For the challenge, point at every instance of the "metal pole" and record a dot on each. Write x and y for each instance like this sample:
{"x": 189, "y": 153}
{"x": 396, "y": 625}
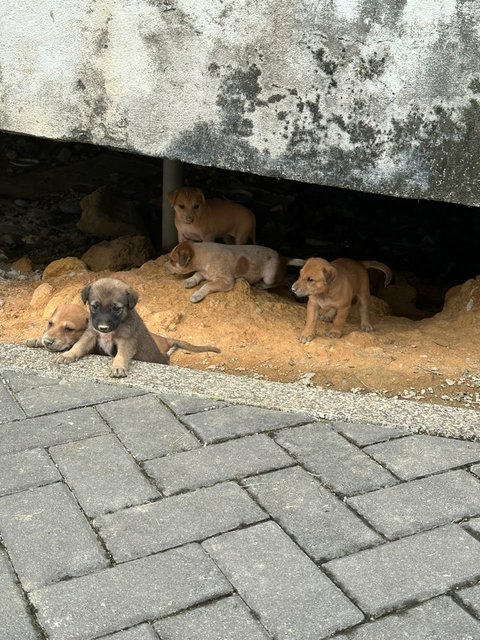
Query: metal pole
{"x": 172, "y": 179}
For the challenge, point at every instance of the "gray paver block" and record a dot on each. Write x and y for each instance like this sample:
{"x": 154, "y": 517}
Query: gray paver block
{"x": 15, "y": 621}
{"x": 420, "y": 504}
{"x": 46, "y": 431}
{"x": 317, "y": 520}
{"x": 418, "y": 456}
{"x": 128, "y": 594}
{"x": 184, "y": 405}
{"x": 21, "y": 380}
{"x": 147, "y": 428}
{"x": 47, "y": 536}
{"x": 9, "y": 409}
{"x": 413, "y": 569}
{"x": 293, "y": 599}
{"x": 19, "y": 471}
{"x": 226, "y": 619}
{"x": 240, "y": 420}
{"x": 102, "y": 475}
{"x": 142, "y": 632}
{"x": 471, "y": 598}
{"x": 171, "y": 522}
{"x": 365, "y": 434}
{"x": 338, "y": 463}
{"x": 70, "y": 395}
{"x": 217, "y": 463}
{"x": 439, "y": 619}
{"x": 476, "y": 470}
{"x": 473, "y": 525}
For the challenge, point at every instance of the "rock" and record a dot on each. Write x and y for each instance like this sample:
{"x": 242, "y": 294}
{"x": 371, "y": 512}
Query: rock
{"x": 62, "y": 267}
{"x": 24, "y": 265}
{"x": 105, "y": 215}
{"x": 119, "y": 254}
{"x": 41, "y": 295}
{"x": 70, "y": 206}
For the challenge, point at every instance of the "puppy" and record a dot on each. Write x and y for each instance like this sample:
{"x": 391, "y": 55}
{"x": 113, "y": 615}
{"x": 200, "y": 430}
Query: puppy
{"x": 332, "y": 287}
{"x": 170, "y": 345}
{"x": 64, "y": 328}
{"x": 203, "y": 220}
{"x": 114, "y": 328}
{"x": 222, "y": 264}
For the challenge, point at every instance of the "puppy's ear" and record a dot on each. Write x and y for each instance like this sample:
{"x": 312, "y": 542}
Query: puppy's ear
{"x": 185, "y": 254}
{"x": 132, "y": 298}
{"x": 201, "y": 194}
{"x": 172, "y": 197}
{"x": 329, "y": 274}
{"x": 85, "y": 293}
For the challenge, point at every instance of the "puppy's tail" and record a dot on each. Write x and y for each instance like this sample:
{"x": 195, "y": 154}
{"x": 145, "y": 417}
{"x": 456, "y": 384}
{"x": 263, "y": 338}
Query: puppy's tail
{"x": 173, "y": 345}
{"x": 373, "y": 264}
{"x": 296, "y": 262}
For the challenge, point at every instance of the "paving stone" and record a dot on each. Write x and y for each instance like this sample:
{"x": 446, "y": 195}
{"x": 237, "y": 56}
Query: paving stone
{"x": 418, "y": 456}
{"x": 476, "y": 470}
{"x": 396, "y": 574}
{"x": 46, "y": 431}
{"x": 240, "y": 420}
{"x": 439, "y": 619}
{"x": 226, "y": 619}
{"x": 153, "y": 432}
{"x": 9, "y": 409}
{"x": 317, "y": 520}
{"x": 128, "y": 594}
{"x": 471, "y": 598}
{"x": 21, "y": 380}
{"x": 189, "y": 517}
{"x": 142, "y": 632}
{"x": 420, "y": 504}
{"x": 47, "y": 536}
{"x": 338, "y": 463}
{"x": 291, "y": 596}
{"x": 184, "y": 405}
{"x": 102, "y": 475}
{"x": 15, "y": 620}
{"x": 473, "y": 525}
{"x": 19, "y": 471}
{"x": 365, "y": 434}
{"x": 70, "y": 395}
{"x": 217, "y": 463}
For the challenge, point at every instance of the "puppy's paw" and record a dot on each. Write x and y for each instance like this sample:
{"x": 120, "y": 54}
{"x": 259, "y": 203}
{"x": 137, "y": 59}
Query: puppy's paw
{"x": 367, "y": 327}
{"x": 333, "y": 333}
{"x": 197, "y": 297}
{"x": 64, "y": 358}
{"x": 189, "y": 283}
{"x": 118, "y": 372}
{"x": 306, "y": 339}
{"x": 33, "y": 343}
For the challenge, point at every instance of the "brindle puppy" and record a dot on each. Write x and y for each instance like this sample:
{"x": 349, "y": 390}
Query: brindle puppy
{"x": 114, "y": 328}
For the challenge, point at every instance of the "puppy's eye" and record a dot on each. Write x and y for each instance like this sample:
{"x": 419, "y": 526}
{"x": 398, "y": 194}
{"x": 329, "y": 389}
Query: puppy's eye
{"x": 181, "y": 206}
{"x": 50, "y": 323}
{"x": 116, "y": 309}
{"x": 94, "y": 306}
{"x": 309, "y": 279}
{"x": 68, "y": 329}
{"x": 195, "y": 206}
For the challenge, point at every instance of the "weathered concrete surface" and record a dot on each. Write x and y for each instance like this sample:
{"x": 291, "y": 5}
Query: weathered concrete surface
{"x": 368, "y": 94}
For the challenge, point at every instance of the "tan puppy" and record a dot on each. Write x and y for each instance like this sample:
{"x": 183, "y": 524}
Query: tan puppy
{"x": 114, "y": 328}
{"x": 64, "y": 328}
{"x": 332, "y": 287}
{"x": 222, "y": 264}
{"x": 203, "y": 220}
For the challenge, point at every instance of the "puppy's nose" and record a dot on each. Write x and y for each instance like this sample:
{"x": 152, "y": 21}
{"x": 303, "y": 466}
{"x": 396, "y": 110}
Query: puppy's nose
{"x": 47, "y": 341}
{"x": 294, "y": 287}
{"x": 189, "y": 220}
{"x": 104, "y": 328}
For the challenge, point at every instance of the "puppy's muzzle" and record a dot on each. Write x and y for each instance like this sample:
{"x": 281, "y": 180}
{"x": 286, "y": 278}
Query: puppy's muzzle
{"x": 47, "y": 341}
{"x": 189, "y": 220}
{"x": 104, "y": 328}
{"x": 295, "y": 288}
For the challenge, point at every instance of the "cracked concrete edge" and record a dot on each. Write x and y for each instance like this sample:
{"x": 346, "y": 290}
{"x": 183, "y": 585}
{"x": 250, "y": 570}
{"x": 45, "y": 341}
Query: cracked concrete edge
{"x": 368, "y": 408}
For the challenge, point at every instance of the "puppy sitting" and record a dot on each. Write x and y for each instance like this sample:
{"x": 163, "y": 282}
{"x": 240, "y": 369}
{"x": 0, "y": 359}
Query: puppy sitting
{"x": 64, "y": 328}
{"x": 222, "y": 264}
{"x": 332, "y": 287}
{"x": 203, "y": 220}
{"x": 114, "y": 328}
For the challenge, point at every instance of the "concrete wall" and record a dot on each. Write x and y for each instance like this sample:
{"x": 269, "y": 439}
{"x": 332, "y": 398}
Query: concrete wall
{"x": 377, "y": 95}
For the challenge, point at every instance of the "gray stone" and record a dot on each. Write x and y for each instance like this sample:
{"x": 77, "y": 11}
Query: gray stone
{"x": 9, "y": 409}
{"x": 216, "y": 463}
{"x": 142, "y": 632}
{"x": 47, "y": 536}
{"x": 189, "y": 517}
{"x": 45, "y": 431}
{"x": 240, "y": 420}
{"x": 128, "y": 594}
{"x": 147, "y": 428}
{"x": 15, "y": 620}
{"x": 21, "y": 380}
{"x": 226, "y": 619}
{"x": 19, "y": 471}
{"x": 420, "y": 504}
{"x": 473, "y": 525}
{"x": 365, "y": 434}
{"x": 102, "y": 475}
{"x": 293, "y": 599}
{"x": 439, "y": 619}
{"x": 338, "y": 463}
{"x": 476, "y": 469}
{"x": 317, "y": 520}
{"x": 422, "y": 455}
{"x": 185, "y": 405}
{"x": 413, "y": 569}
{"x": 70, "y": 395}
{"x": 471, "y": 599}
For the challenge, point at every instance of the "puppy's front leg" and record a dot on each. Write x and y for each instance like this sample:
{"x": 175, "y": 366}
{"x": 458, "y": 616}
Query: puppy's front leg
{"x": 211, "y": 287}
{"x": 339, "y": 322}
{"x": 193, "y": 280}
{"x": 85, "y": 345}
{"x": 310, "y": 322}
{"x": 34, "y": 343}
{"x": 126, "y": 350}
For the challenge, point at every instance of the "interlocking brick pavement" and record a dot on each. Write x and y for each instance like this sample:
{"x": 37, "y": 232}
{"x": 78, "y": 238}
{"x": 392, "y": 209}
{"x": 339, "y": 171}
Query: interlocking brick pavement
{"x": 130, "y": 515}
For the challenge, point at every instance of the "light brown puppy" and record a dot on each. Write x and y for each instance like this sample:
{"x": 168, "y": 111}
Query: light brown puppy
{"x": 332, "y": 287}
{"x": 203, "y": 220}
{"x": 220, "y": 265}
{"x": 114, "y": 328}
{"x": 64, "y": 328}
{"x": 170, "y": 345}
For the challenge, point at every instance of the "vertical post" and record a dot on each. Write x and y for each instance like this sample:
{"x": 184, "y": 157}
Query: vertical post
{"x": 172, "y": 179}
